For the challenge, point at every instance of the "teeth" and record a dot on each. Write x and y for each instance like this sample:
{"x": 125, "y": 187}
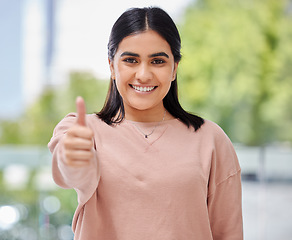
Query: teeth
{"x": 143, "y": 89}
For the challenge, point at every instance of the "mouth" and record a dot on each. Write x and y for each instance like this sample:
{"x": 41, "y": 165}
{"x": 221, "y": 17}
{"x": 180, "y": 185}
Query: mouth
{"x": 143, "y": 89}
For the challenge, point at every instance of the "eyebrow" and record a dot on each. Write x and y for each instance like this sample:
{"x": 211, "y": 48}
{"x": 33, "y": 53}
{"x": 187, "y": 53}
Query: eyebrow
{"x": 159, "y": 54}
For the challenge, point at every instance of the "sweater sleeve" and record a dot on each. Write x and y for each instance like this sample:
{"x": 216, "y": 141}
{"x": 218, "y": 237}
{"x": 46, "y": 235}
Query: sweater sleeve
{"x": 83, "y": 179}
{"x": 224, "y": 191}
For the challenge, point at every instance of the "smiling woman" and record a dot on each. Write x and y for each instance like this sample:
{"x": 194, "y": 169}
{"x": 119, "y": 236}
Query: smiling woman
{"x": 143, "y": 167}
{"x": 147, "y": 42}
{"x": 143, "y": 69}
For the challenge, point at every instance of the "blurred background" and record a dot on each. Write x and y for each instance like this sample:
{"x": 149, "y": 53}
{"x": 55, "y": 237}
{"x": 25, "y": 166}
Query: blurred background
{"x": 236, "y": 70}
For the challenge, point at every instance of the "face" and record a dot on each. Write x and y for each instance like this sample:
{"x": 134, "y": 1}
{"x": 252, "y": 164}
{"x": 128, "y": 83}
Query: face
{"x": 143, "y": 68}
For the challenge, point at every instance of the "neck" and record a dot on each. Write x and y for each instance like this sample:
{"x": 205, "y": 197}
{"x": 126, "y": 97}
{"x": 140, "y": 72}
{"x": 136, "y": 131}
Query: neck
{"x": 148, "y": 115}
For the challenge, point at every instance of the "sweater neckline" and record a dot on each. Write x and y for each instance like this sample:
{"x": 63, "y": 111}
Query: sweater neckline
{"x": 149, "y": 124}
{"x": 144, "y": 128}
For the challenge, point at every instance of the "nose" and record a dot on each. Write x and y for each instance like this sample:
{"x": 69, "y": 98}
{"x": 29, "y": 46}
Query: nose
{"x": 144, "y": 73}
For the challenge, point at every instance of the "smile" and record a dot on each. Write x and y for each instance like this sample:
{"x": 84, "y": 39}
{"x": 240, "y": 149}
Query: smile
{"x": 143, "y": 89}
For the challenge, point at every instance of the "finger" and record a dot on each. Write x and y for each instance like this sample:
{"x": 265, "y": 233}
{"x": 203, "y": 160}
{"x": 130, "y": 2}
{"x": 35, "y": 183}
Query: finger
{"x": 77, "y": 163}
{"x": 80, "y": 131}
{"x": 78, "y": 155}
{"x": 81, "y": 111}
{"x": 78, "y": 144}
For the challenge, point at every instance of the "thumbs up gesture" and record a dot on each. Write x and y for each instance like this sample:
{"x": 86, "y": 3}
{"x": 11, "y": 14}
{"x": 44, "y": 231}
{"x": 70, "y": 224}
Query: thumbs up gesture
{"x": 78, "y": 140}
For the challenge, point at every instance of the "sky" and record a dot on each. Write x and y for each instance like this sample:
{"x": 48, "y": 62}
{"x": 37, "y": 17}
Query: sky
{"x": 81, "y": 35}
{"x": 10, "y": 65}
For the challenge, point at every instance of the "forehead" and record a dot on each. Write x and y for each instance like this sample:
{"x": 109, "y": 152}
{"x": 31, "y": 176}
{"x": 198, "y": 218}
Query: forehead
{"x": 147, "y": 42}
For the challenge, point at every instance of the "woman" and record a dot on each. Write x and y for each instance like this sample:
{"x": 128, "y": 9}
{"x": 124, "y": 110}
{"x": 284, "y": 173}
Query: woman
{"x": 144, "y": 168}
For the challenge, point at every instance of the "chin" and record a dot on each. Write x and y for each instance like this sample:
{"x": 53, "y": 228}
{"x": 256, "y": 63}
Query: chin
{"x": 141, "y": 107}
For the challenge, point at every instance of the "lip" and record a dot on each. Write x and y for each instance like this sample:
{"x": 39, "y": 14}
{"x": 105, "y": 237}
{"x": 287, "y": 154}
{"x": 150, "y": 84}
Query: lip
{"x": 143, "y": 89}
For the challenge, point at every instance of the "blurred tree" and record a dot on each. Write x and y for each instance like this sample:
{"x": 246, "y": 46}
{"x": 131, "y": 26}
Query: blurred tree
{"x": 235, "y": 68}
{"x": 36, "y": 126}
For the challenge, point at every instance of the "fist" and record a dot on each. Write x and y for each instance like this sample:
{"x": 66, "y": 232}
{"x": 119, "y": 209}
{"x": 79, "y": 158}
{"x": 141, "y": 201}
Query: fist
{"x": 78, "y": 141}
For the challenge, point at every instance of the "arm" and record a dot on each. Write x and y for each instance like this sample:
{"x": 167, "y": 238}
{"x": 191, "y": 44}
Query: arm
{"x": 225, "y": 211}
{"x": 224, "y": 191}
{"x": 74, "y": 163}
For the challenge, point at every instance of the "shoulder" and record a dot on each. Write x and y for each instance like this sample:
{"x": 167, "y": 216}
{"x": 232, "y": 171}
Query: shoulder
{"x": 223, "y": 150}
{"x": 210, "y": 135}
{"x": 211, "y": 126}
{"x": 213, "y": 135}
{"x": 92, "y": 120}
{"x": 212, "y": 129}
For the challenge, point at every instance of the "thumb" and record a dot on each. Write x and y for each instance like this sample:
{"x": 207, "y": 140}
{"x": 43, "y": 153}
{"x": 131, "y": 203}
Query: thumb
{"x": 81, "y": 111}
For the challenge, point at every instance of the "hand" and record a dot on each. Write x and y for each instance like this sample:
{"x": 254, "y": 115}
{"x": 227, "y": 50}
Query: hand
{"x": 78, "y": 142}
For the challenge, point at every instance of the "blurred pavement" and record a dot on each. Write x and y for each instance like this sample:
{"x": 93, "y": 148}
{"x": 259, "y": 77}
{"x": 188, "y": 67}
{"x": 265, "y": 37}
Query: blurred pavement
{"x": 267, "y": 210}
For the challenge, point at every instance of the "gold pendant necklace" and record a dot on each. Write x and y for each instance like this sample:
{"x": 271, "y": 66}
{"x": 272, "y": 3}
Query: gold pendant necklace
{"x": 147, "y": 135}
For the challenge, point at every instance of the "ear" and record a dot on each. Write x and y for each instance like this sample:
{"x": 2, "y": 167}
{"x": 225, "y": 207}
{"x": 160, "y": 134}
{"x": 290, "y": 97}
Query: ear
{"x": 175, "y": 71}
{"x": 111, "y": 65}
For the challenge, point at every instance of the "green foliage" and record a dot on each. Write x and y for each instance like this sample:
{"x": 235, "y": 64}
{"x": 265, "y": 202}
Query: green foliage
{"x": 37, "y": 124}
{"x": 235, "y": 68}
{"x": 235, "y": 71}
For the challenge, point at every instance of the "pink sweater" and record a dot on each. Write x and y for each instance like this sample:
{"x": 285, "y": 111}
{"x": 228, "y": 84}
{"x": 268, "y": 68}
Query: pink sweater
{"x": 176, "y": 184}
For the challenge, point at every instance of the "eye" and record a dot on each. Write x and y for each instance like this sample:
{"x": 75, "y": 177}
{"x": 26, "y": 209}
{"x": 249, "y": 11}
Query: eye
{"x": 130, "y": 60}
{"x": 158, "y": 61}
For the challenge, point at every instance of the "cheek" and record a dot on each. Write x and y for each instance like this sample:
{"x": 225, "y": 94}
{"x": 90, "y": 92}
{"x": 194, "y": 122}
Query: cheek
{"x": 168, "y": 88}
{"x": 122, "y": 82}
{"x": 118, "y": 76}
{"x": 121, "y": 73}
{"x": 119, "y": 85}
{"x": 166, "y": 78}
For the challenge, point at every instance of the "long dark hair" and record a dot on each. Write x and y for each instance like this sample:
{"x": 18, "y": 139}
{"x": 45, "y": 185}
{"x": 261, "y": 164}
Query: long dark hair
{"x": 137, "y": 20}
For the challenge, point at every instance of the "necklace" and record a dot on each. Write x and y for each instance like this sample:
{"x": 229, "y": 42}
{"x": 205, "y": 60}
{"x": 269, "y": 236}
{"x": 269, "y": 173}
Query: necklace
{"x": 147, "y": 135}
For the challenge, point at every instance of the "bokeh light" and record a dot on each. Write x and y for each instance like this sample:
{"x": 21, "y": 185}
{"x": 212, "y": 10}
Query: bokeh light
{"x": 51, "y": 204}
{"x": 9, "y": 215}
